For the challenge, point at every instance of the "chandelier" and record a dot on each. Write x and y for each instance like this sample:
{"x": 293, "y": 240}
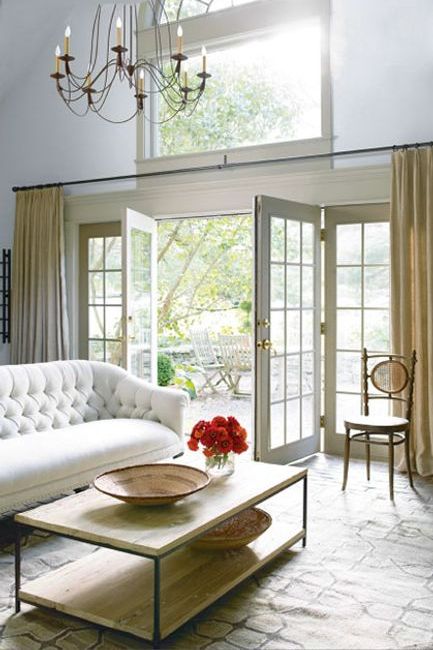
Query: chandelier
{"x": 114, "y": 58}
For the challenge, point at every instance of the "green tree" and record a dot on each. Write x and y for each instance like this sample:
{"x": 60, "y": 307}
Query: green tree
{"x": 204, "y": 266}
{"x": 241, "y": 105}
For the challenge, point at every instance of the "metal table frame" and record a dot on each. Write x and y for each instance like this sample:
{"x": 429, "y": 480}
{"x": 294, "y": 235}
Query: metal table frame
{"x": 156, "y": 640}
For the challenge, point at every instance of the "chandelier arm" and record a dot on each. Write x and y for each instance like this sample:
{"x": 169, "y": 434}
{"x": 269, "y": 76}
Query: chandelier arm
{"x": 70, "y": 107}
{"x": 107, "y": 54}
{"x": 104, "y": 72}
{"x": 171, "y": 82}
{"x": 93, "y": 56}
{"x": 102, "y": 95}
{"x": 159, "y": 122}
{"x": 136, "y": 32}
{"x": 100, "y": 103}
{"x": 157, "y": 33}
{"x": 107, "y": 119}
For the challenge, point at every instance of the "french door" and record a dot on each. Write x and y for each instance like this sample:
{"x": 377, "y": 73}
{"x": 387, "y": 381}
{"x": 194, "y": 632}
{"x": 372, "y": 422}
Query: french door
{"x": 357, "y": 297}
{"x": 287, "y": 329}
{"x": 139, "y": 264}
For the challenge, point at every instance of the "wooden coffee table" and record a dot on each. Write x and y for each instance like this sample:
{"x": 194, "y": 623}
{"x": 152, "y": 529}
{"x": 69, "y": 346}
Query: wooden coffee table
{"x": 148, "y": 580}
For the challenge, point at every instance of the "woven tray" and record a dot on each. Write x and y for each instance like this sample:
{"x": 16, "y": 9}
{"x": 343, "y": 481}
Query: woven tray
{"x": 152, "y": 485}
{"x": 238, "y": 531}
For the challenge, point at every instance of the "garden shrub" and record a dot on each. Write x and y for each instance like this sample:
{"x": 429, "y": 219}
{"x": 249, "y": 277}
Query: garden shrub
{"x": 166, "y": 370}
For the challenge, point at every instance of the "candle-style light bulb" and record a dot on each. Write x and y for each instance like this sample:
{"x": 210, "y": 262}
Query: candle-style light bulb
{"x": 179, "y": 39}
{"x": 88, "y": 81}
{"x": 58, "y": 54}
{"x": 141, "y": 82}
{"x": 204, "y": 55}
{"x": 119, "y": 38}
{"x": 67, "y": 40}
{"x": 185, "y": 75}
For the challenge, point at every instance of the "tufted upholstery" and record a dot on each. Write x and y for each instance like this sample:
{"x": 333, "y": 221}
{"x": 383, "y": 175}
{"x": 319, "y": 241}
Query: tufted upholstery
{"x": 47, "y": 396}
{"x": 47, "y": 402}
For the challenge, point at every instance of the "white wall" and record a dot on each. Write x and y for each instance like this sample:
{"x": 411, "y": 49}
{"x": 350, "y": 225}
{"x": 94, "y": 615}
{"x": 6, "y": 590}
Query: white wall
{"x": 382, "y": 67}
{"x": 40, "y": 140}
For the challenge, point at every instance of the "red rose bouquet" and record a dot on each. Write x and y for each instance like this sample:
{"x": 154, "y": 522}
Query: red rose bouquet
{"x": 219, "y": 439}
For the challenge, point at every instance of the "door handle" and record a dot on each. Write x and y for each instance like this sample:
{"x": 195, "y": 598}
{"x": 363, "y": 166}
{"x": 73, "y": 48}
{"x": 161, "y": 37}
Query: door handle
{"x": 264, "y": 323}
{"x": 266, "y": 344}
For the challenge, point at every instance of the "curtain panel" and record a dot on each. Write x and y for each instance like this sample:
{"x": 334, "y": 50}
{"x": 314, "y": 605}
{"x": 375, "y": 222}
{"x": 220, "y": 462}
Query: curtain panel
{"x": 411, "y": 223}
{"x": 39, "y": 323}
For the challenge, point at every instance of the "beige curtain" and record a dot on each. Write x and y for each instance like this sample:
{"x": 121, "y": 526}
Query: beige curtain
{"x": 39, "y": 325}
{"x": 412, "y": 286}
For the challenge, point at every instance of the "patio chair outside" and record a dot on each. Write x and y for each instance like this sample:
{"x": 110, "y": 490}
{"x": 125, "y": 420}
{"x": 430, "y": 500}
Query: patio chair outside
{"x": 237, "y": 358}
{"x": 208, "y": 364}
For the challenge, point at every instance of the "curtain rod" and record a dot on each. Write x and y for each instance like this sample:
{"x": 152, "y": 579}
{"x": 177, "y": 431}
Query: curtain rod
{"x": 227, "y": 165}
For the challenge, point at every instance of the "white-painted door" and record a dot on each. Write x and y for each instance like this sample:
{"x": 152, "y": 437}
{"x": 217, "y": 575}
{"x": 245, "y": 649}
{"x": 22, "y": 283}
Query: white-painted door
{"x": 287, "y": 329}
{"x": 357, "y": 298}
{"x": 139, "y": 317}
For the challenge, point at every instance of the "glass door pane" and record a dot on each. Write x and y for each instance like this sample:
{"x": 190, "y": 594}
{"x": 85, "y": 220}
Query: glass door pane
{"x": 100, "y": 337}
{"x": 139, "y": 310}
{"x": 287, "y": 329}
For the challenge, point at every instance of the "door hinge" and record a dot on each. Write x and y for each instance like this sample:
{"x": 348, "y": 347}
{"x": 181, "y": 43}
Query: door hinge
{"x": 322, "y": 328}
{"x": 322, "y": 234}
{"x": 322, "y": 421}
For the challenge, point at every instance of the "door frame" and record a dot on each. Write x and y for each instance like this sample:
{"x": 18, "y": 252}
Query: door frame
{"x": 335, "y": 215}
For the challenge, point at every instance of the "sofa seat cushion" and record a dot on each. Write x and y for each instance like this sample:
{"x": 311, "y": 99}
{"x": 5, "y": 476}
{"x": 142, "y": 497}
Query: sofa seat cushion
{"x": 49, "y": 456}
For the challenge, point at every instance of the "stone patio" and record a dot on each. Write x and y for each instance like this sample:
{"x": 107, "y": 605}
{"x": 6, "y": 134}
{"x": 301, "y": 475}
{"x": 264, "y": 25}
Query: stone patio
{"x": 365, "y": 580}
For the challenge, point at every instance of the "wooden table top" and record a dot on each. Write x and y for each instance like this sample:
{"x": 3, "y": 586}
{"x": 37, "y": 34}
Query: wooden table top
{"x": 153, "y": 531}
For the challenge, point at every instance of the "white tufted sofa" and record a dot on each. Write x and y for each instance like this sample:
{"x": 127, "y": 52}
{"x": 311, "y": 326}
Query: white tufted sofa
{"x": 64, "y": 422}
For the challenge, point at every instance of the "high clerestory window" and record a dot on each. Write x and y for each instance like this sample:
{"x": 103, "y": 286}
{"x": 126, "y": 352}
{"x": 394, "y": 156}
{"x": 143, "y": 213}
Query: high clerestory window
{"x": 269, "y": 85}
{"x": 175, "y": 10}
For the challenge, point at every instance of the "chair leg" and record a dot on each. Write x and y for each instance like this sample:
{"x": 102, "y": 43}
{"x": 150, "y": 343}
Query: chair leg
{"x": 367, "y": 435}
{"x": 407, "y": 454}
{"x": 391, "y": 466}
{"x": 346, "y": 458}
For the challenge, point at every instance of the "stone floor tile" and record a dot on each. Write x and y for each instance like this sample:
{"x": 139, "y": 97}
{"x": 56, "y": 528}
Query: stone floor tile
{"x": 221, "y": 645}
{"x": 245, "y": 638}
{"x": 405, "y": 637}
{"x": 21, "y": 642}
{"x": 418, "y": 619}
{"x": 213, "y": 629}
{"x": 268, "y": 623}
{"x": 78, "y": 639}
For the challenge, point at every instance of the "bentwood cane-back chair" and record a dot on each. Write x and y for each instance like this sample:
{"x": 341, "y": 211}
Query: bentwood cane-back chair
{"x": 393, "y": 378}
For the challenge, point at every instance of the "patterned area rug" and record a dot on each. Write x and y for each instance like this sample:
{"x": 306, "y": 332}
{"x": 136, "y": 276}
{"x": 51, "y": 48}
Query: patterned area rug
{"x": 365, "y": 580}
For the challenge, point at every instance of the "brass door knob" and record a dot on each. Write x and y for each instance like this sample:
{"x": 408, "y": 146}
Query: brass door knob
{"x": 266, "y": 344}
{"x": 264, "y": 323}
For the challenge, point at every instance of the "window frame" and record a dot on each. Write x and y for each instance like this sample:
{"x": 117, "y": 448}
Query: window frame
{"x": 230, "y": 27}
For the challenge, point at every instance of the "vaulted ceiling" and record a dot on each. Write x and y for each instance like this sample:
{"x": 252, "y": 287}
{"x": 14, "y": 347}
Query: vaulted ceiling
{"x": 26, "y": 28}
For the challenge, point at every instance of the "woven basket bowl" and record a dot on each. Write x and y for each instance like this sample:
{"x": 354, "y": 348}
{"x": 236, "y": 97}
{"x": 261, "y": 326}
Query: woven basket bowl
{"x": 152, "y": 485}
{"x": 238, "y": 531}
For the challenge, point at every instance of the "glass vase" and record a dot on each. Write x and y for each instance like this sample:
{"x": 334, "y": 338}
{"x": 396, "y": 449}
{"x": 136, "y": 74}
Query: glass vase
{"x": 220, "y": 464}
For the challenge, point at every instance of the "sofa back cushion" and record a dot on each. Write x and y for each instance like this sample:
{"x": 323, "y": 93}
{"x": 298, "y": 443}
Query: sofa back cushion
{"x": 47, "y": 396}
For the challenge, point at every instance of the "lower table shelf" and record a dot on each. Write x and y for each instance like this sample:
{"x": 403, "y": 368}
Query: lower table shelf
{"x": 115, "y": 589}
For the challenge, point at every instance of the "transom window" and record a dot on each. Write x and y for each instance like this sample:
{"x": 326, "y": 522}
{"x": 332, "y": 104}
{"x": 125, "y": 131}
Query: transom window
{"x": 269, "y": 83}
{"x": 262, "y": 91}
{"x": 175, "y": 10}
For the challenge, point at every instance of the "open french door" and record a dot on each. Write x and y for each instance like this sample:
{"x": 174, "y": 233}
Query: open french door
{"x": 287, "y": 329}
{"x": 139, "y": 251}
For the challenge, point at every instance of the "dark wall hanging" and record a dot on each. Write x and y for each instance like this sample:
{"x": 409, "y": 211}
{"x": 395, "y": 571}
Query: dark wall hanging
{"x": 5, "y": 292}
